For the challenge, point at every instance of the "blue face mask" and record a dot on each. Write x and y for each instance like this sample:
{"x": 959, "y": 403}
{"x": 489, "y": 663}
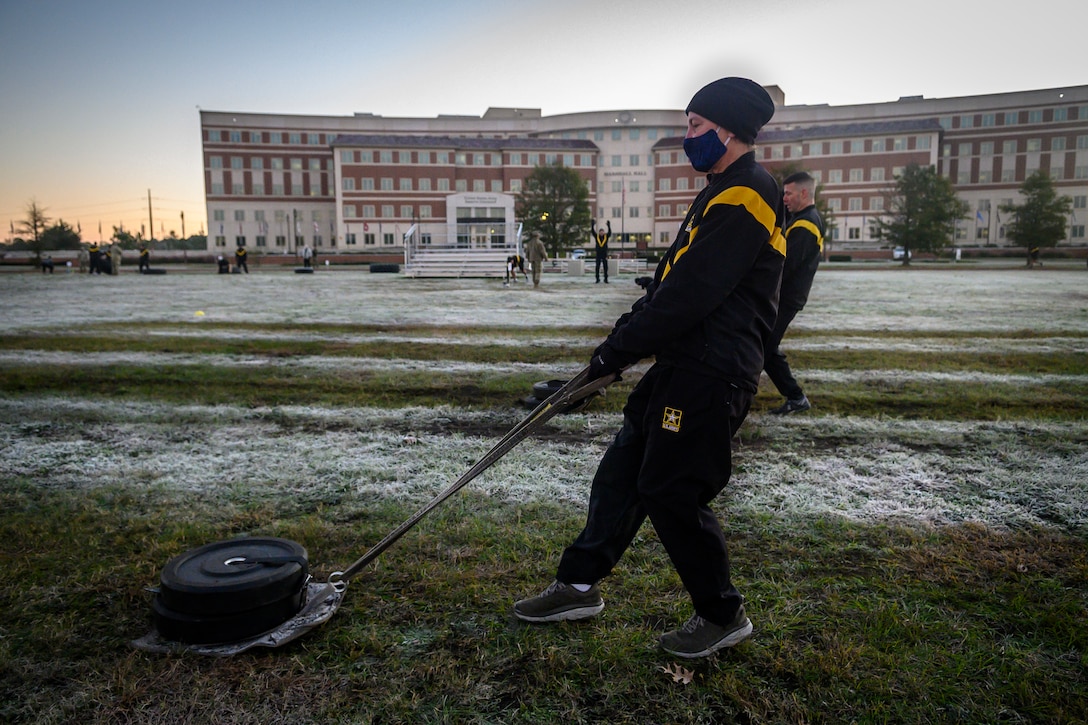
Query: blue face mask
{"x": 704, "y": 151}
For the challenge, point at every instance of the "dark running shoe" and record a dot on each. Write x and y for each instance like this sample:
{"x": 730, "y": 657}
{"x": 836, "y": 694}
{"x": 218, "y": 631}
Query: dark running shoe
{"x": 793, "y": 406}
{"x": 700, "y": 638}
{"x": 560, "y": 602}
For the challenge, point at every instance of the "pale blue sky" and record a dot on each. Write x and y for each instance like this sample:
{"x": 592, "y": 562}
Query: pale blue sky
{"x": 100, "y": 97}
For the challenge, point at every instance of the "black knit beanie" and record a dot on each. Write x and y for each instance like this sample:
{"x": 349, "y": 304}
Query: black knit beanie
{"x": 736, "y": 104}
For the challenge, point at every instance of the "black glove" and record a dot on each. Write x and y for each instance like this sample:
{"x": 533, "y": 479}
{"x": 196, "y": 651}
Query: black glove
{"x": 604, "y": 362}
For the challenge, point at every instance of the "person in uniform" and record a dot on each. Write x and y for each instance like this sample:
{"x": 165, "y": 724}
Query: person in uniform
{"x": 704, "y": 317}
{"x": 537, "y": 255}
{"x": 240, "y": 260}
{"x": 804, "y": 248}
{"x": 600, "y": 246}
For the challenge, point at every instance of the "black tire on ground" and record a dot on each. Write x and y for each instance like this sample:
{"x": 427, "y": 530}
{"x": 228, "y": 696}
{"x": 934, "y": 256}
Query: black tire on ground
{"x": 207, "y": 629}
{"x": 547, "y": 388}
{"x": 156, "y": 270}
{"x": 385, "y": 268}
{"x": 304, "y": 270}
{"x": 237, "y": 575}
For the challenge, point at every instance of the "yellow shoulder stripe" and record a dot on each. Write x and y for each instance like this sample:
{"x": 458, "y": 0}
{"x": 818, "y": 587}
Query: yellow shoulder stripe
{"x": 808, "y": 226}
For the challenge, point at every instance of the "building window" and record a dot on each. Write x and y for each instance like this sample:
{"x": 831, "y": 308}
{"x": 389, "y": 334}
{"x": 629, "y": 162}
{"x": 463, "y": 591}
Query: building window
{"x": 220, "y": 241}
{"x": 443, "y": 184}
{"x": 387, "y": 211}
{"x": 664, "y": 184}
{"x": 857, "y": 174}
{"x": 349, "y": 210}
{"x": 1035, "y": 116}
{"x": 964, "y": 149}
{"x": 617, "y": 160}
{"x": 633, "y": 161}
{"x": 853, "y": 233}
{"x": 258, "y": 189}
{"x": 424, "y": 184}
{"x": 296, "y": 164}
{"x": 405, "y": 185}
{"x": 425, "y": 211}
{"x": 967, "y": 121}
{"x": 682, "y": 183}
{"x": 368, "y": 239}
{"x": 239, "y": 215}
{"x": 1080, "y": 202}
{"x": 239, "y": 241}
{"x": 985, "y": 177}
{"x": 1012, "y": 118}
{"x": 876, "y": 173}
{"x": 988, "y": 119}
{"x": 261, "y": 241}
{"x": 236, "y": 162}
{"x": 347, "y": 183}
{"x": 386, "y": 157}
{"x": 281, "y": 241}
{"x": 275, "y": 137}
{"x": 834, "y": 176}
{"x": 855, "y": 203}
{"x": 922, "y": 142}
{"x": 218, "y": 215}
{"x": 215, "y": 162}
{"x": 876, "y": 203}
{"x": 236, "y": 137}
{"x": 878, "y": 145}
{"x": 478, "y": 185}
{"x": 277, "y": 164}
{"x": 899, "y": 144}
{"x": 387, "y": 184}
{"x": 1057, "y": 144}
{"x": 986, "y": 148}
{"x": 387, "y": 238}
{"x": 1008, "y": 147}
{"x": 349, "y": 239}
{"x": 664, "y": 210}
{"x": 963, "y": 177}
{"x": 1077, "y": 231}
{"x": 406, "y": 211}
{"x": 1035, "y": 144}
{"x": 295, "y": 139}
{"x": 460, "y": 186}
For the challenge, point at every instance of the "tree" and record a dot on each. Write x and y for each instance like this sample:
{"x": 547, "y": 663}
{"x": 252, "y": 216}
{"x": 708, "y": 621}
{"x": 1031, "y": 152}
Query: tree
{"x": 921, "y": 212}
{"x": 34, "y": 224}
{"x": 555, "y": 202}
{"x": 1041, "y": 220}
{"x": 127, "y": 240}
{"x": 60, "y": 236}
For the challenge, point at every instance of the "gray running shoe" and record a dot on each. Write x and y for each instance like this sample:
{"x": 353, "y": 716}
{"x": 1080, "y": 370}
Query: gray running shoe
{"x": 560, "y": 602}
{"x": 700, "y": 638}
{"x": 793, "y": 406}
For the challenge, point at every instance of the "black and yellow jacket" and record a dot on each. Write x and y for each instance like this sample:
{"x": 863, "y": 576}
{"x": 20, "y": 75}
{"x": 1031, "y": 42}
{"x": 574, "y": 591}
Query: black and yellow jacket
{"x": 714, "y": 297}
{"x": 804, "y": 247}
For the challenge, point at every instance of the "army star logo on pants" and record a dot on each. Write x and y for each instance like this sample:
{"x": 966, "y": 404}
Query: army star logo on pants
{"x": 671, "y": 420}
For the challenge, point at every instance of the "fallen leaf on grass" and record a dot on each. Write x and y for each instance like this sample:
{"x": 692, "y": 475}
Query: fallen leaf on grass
{"x": 679, "y": 674}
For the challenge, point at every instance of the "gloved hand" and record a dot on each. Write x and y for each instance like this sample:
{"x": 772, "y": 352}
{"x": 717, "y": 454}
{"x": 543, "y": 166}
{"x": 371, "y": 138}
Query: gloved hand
{"x": 604, "y": 362}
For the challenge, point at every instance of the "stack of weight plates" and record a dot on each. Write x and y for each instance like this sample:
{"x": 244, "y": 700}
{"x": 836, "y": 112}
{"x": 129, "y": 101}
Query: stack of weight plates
{"x": 230, "y": 590}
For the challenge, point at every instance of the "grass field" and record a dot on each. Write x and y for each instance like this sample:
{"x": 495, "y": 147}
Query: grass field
{"x": 912, "y": 549}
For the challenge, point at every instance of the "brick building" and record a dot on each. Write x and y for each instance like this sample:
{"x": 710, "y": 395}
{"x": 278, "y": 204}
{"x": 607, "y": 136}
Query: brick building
{"x": 369, "y": 184}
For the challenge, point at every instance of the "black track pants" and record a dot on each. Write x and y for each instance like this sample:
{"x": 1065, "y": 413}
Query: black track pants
{"x": 668, "y": 461}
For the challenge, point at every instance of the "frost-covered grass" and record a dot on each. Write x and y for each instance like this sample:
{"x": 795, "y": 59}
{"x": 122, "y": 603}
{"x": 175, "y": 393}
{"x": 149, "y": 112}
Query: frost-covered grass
{"x": 912, "y": 550}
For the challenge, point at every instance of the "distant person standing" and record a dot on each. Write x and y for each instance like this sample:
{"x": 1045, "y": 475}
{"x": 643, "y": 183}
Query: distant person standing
{"x": 537, "y": 255}
{"x": 115, "y": 258}
{"x": 600, "y": 247}
{"x": 94, "y": 257}
{"x": 804, "y": 247}
{"x": 84, "y": 258}
{"x": 307, "y": 257}
{"x": 145, "y": 258}
{"x": 240, "y": 260}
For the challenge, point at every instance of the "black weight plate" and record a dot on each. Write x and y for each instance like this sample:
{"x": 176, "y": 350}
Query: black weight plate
{"x": 547, "y": 388}
{"x": 225, "y": 577}
{"x": 207, "y": 629}
{"x": 304, "y": 270}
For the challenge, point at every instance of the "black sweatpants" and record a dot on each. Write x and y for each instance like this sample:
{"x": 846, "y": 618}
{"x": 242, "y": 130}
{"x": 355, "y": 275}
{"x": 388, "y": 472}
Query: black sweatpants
{"x": 774, "y": 360}
{"x": 602, "y": 261}
{"x": 668, "y": 461}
